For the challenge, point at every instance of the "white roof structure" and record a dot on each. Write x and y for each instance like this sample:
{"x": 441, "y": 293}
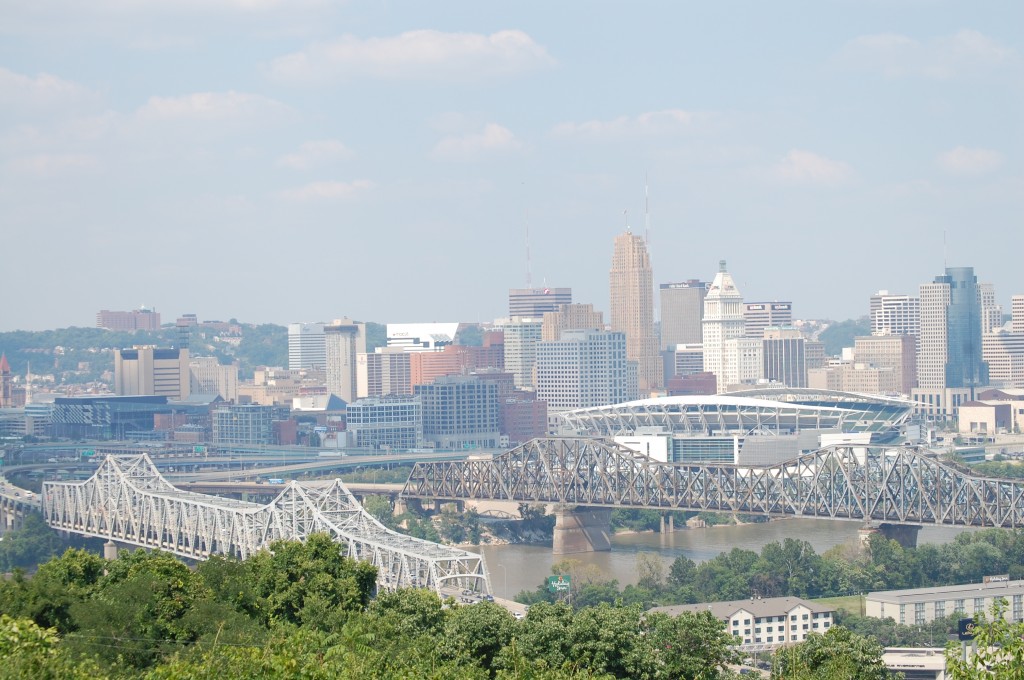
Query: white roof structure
{"x": 421, "y": 337}
{"x": 776, "y": 411}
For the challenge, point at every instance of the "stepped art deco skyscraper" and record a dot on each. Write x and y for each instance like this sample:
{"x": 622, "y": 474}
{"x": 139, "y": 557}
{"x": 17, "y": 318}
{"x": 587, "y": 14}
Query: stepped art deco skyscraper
{"x": 632, "y": 308}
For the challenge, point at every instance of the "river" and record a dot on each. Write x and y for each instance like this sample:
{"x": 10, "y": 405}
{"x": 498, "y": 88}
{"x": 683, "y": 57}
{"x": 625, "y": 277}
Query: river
{"x": 519, "y": 567}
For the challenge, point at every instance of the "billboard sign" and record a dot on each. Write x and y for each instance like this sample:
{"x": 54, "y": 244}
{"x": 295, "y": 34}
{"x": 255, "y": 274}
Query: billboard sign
{"x": 558, "y": 584}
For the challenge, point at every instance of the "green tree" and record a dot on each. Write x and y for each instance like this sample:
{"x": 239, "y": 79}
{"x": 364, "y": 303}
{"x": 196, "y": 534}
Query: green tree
{"x": 839, "y": 653}
{"x": 29, "y": 652}
{"x": 477, "y": 632}
{"x": 999, "y": 649}
{"x": 690, "y": 646}
{"x": 29, "y": 545}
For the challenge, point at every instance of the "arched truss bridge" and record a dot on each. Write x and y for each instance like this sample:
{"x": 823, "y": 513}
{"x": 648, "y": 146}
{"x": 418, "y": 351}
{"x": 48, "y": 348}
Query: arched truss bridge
{"x": 128, "y": 501}
{"x": 892, "y": 484}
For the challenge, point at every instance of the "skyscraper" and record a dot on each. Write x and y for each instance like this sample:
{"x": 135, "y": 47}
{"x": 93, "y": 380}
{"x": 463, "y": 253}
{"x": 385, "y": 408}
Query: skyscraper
{"x": 146, "y": 369}
{"x": 991, "y": 312}
{"x": 682, "y": 309}
{"x": 570, "y": 317}
{"x": 343, "y": 339}
{"x": 632, "y": 308}
{"x": 723, "y": 321}
{"x": 522, "y": 334}
{"x": 950, "y": 354}
{"x": 784, "y": 356}
{"x": 306, "y": 348}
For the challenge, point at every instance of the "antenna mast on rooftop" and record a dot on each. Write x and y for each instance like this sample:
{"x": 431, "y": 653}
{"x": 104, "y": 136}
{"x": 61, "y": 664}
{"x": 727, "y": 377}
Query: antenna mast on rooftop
{"x": 647, "y": 213}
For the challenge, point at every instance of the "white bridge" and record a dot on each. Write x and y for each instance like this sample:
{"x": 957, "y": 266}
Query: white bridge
{"x": 128, "y": 501}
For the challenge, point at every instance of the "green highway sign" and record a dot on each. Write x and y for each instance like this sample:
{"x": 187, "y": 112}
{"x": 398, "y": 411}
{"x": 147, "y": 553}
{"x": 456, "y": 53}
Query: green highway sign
{"x": 88, "y": 452}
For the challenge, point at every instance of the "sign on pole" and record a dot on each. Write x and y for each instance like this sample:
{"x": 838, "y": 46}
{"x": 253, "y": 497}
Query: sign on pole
{"x": 965, "y": 629}
{"x": 558, "y": 584}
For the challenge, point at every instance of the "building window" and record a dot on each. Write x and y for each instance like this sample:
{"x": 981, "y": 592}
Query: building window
{"x": 919, "y": 613}
{"x": 940, "y": 609}
{"x": 979, "y": 605}
{"x": 958, "y": 607}
{"x": 903, "y": 614}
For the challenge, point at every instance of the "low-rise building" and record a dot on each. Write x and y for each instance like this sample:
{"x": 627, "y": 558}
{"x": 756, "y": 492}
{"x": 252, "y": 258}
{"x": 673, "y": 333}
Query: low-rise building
{"x": 917, "y": 606}
{"x": 764, "y": 623}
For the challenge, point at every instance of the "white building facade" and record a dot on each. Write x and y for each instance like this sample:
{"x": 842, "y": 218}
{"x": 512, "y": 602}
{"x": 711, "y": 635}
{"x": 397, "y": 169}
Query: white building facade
{"x": 723, "y": 321}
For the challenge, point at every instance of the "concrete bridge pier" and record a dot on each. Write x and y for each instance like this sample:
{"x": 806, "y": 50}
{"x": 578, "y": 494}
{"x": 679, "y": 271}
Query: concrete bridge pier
{"x": 904, "y": 534}
{"x": 401, "y": 507}
{"x": 581, "y": 530}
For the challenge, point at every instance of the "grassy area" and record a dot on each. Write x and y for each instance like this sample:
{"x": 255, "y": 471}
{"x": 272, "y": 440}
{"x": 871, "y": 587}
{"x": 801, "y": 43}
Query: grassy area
{"x": 851, "y": 603}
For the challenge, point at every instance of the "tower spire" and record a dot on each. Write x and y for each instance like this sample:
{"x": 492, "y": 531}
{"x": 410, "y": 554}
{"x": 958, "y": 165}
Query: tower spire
{"x": 647, "y": 213}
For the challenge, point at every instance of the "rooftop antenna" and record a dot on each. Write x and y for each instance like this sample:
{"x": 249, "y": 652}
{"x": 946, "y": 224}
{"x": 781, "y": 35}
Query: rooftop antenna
{"x": 945, "y": 262}
{"x": 647, "y": 212}
{"x": 526, "y": 224}
{"x": 625, "y": 217}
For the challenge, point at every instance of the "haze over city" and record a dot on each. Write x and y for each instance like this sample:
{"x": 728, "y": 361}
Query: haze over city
{"x": 284, "y": 161}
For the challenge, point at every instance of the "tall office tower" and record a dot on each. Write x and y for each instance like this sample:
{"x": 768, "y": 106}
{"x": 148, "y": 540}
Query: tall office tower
{"x": 723, "y": 321}
{"x": 784, "y": 356}
{"x": 307, "y": 347}
{"x": 460, "y": 412}
{"x": 344, "y": 340}
{"x": 209, "y": 376}
{"x": 1004, "y": 354}
{"x": 894, "y": 352}
{"x": 571, "y": 317}
{"x": 1017, "y": 314}
{"x": 388, "y": 370}
{"x": 522, "y": 333}
{"x": 141, "y": 319}
{"x": 991, "y": 312}
{"x": 537, "y": 301}
{"x": 682, "y": 309}
{"x": 585, "y": 368}
{"x": 682, "y": 360}
{"x": 814, "y": 354}
{"x": 6, "y": 383}
{"x": 146, "y": 369}
{"x": 762, "y": 315}
{"x": 893, "y": 314}
{"x": 950, "y": 353}
{"x": 632, "y": 308}
{"x": 742, "y": 363}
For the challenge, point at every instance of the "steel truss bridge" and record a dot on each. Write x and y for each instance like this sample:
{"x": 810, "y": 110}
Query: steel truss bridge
{"x": 128, "y": 501}
{"x": 888, "y": 484}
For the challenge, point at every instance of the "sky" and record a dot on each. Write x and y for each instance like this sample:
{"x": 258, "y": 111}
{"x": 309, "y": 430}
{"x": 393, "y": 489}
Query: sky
{"x": 304, "y": 160}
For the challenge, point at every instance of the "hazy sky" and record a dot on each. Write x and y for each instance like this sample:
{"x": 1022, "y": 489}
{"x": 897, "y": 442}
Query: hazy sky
{"x": 286, "y": 160}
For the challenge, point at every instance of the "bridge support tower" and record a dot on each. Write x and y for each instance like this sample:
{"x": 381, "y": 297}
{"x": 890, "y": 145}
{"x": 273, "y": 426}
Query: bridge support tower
{"x": 904, "y": 534}
{"x": 580, "y": 529}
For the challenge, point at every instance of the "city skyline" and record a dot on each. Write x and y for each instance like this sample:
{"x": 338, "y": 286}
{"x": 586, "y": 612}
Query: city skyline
{"x": 379, "y": 157}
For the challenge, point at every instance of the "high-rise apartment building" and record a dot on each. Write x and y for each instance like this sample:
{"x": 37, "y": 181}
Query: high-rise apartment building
{"x": 1004, "y": 354}
{"x": 724, "y": 320}
{"x": 1017, "y": 314}
{"x": 522, "y": 333}
{"x": 632, "y": 308}
{"x": 893, "y": 314}
{"x": 761, "y": 315}
{"x": 386, "y": 422}
{"x": 141, "y": 319}
{"x": 577, "y": 316}
{"x": 585, "y": 368}
{"x": 536, "y": 302}
{"x": 307, "y": 346}
{"x": 460, "y": 412}
{"x": 149, "y": 370}
{"x": 344, "y": 340}
{"x": 784, "y": 356}
{"x": 682, "y": 310}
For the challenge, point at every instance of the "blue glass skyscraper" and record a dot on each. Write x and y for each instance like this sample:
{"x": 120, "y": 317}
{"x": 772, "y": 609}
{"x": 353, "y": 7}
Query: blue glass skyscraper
{"x": 964, "y": 365}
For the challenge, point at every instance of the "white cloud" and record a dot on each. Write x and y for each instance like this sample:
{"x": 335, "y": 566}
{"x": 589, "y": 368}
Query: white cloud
{"x": 52, "y": 165}
{"x": 492, "y": 139}
{"x": 42, "y": 90}
{"x": 414, "y": 54}
{"x": 650, "y": 123}
{"x": 805, "y": 168}
{"x": 940, "y": 58}
{"x": 315, "y": 154}
{"x": 212, "y": 106}
{"x": 327, "y": 191}
{"x": 965, "y": 160}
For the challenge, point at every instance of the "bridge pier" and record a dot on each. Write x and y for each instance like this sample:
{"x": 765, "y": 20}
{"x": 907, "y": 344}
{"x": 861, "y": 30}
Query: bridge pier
{"x": 110, "y": 551}
{"x": 904, "y": 534}
{"x": 581, "y": 530}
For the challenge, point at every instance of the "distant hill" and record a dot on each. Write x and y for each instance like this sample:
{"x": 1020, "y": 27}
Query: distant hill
{"x": 840, "y": 334}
